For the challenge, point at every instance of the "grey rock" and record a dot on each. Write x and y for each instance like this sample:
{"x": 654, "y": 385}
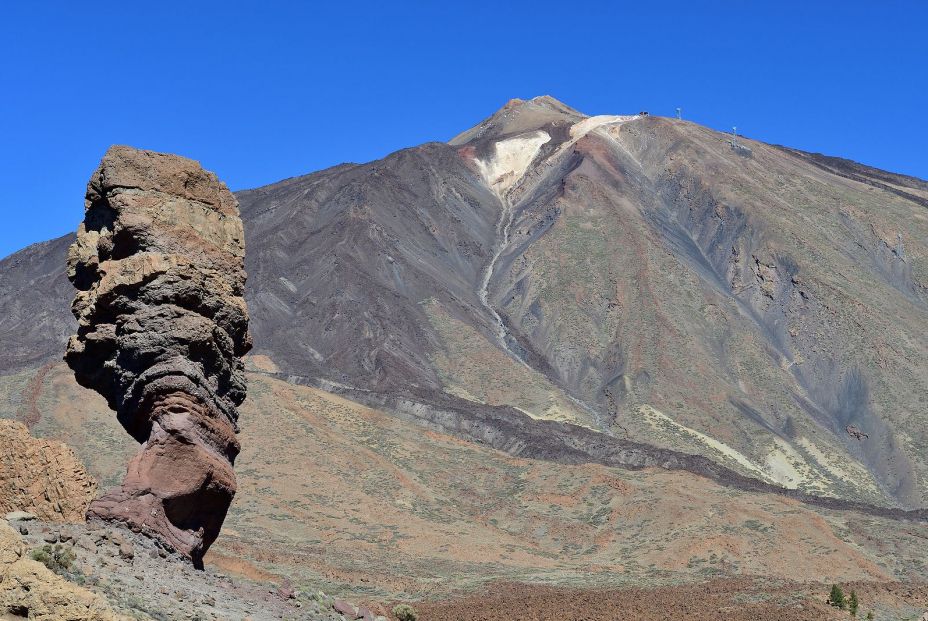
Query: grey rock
{"x": 86, "y": 542}
{"x": 345, "y": 608}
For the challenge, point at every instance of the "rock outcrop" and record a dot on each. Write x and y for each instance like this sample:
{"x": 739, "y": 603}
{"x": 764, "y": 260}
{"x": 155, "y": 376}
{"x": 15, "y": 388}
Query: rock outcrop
{"x": 42, "y": 477}
{"x": 28, "y": 589}
{"x": 162, "y": 326}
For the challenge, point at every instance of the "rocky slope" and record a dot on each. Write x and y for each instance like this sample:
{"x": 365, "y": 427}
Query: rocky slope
{"x": 636, "y": 276}
{"x": 353, "y": 500}
{"x": 28, "y": 589}
{"x": 53, "y": 566}
{"x": 102, "y": 573}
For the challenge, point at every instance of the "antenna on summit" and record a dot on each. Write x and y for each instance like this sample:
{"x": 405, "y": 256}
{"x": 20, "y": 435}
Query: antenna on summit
{"x": 742, "y": 150}
{"x": 679, "y": 113}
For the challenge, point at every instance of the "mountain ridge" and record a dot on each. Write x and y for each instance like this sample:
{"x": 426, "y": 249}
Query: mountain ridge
{"x": 649, "y": 280}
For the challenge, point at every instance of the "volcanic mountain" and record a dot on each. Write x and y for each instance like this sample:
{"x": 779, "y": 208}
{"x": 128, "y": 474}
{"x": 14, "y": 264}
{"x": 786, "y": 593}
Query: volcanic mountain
{"x": 629, "y": 290}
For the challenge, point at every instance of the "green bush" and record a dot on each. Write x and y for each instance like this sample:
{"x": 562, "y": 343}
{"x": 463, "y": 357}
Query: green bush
{"x": 56, "y": 558}
{"x": 405, "y": 612}
{"x": 836, "y": 598}
{"x": 852, "y": 604}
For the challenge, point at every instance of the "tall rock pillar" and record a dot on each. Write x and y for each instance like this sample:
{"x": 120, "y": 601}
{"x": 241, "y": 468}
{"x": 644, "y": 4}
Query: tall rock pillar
{"x": 162, "y": 328}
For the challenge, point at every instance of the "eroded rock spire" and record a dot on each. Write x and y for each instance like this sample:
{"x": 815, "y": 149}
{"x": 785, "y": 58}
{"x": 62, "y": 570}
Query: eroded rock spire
{"x": 162, "y": 328}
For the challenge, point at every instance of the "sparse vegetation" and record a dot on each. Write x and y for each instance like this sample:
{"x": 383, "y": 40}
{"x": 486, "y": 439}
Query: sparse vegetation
{"x": 836, "y": 598}
{"x": 56, "y": 558}
{"x": 405, "y": 612}
{"x": 852, "y": 604}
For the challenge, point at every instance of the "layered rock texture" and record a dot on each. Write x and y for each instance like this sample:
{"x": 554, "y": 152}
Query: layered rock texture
{"x": 162, "y": 326}
{"x": 42, "y": 477}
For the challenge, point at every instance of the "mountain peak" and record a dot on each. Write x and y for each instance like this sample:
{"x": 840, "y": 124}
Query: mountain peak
{"x": 549, "y": 102}
{"x": 546, "y": 102}
{"x": 518, "y": 116}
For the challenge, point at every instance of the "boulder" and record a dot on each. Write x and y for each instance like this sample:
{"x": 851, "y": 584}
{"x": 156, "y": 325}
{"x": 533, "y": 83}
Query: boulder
{"x": 162, "y": 327}
{"x": 345, "y": 608}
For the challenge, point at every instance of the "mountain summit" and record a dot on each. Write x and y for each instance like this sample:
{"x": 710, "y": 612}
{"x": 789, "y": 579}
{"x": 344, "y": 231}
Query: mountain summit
{"x": 519, "y": 116}
{"x": 627, "y": 289}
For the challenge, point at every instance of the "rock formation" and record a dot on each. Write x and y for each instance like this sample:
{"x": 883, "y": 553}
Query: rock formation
{"x": 162, "y": 326}
{"x": 42, "y": 477}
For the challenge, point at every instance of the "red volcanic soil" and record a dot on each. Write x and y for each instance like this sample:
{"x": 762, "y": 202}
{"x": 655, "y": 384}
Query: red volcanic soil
{"x": 742, "y": 599}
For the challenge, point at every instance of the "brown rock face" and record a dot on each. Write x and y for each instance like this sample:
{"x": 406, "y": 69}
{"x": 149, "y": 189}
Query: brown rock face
{"x": 162, "y": 326}
{"x": 42, "y": 477}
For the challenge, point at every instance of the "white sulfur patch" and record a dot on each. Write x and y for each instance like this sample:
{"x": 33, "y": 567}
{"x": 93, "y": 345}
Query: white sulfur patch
{"x": 584, "y": 127}
{"x": 502, "y": 172}
{"x": 609, "y": 123}
{"x": 510, "y": 161}
{"x": 786, "y": 465}
{"x": 662, "y": 423}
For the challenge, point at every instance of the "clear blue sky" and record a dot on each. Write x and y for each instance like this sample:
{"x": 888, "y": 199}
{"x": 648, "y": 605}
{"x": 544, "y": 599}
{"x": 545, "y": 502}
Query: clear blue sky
{"x": 260, "y": 91}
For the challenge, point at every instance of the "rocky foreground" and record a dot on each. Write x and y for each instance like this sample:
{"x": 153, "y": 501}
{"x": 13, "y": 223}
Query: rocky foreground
{"x": 54, "y": 566}
{"x": 96, "y": 572}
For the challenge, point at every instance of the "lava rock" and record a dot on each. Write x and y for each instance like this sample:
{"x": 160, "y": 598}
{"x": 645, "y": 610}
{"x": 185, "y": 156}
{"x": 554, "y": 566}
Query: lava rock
{"x": 162, "y": 327}
{"x": 345, "y": 608}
